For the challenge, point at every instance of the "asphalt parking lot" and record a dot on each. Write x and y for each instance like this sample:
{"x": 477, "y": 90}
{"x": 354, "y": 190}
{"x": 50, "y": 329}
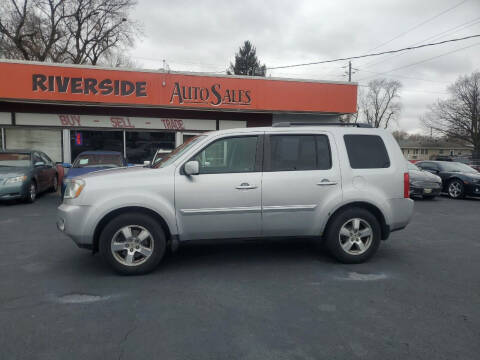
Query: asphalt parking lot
{"x": 417, "y": 299}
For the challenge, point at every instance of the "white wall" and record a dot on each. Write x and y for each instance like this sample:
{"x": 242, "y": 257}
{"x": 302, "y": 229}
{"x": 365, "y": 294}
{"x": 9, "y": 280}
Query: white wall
{"x": 48, "y": 141}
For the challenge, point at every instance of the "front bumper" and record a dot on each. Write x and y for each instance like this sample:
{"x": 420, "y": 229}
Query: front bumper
{"x": 71, "y": 220}
{"x": 472, "y": 189}
{"x": 12, "y": 191}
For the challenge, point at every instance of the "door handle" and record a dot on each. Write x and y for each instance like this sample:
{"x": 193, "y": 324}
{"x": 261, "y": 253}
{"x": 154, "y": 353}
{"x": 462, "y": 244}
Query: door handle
{"x": 326, "y": 182}
{"x": 245, "y": 186}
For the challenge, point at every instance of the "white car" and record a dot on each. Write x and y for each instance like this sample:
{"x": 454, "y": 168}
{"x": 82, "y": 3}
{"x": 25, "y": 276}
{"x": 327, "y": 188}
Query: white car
{"x": 342, "y": 184}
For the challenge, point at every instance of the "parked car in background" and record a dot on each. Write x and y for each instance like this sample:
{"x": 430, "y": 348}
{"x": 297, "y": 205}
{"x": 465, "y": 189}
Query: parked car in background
{"x": 423, "y": 183}
{"x": 26, "y": 173}
{"x": 459, "y": 180}
{"x": 348, "y": 186}
{"x": 159, "y": 155}
{"x": 473, "y": 163}
{"x": 90, "y": 161}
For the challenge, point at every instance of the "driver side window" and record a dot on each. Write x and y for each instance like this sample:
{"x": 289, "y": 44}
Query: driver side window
{"x": 36, "y": 158}
{"x": 228, "y": 155}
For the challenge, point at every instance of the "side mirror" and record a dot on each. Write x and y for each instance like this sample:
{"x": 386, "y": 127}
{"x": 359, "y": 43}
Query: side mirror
{"x": 66, "y": 165}
{"x": 192, "y": 168}
{"x": 39, "y": 163}
{"x": 146, "y": 163}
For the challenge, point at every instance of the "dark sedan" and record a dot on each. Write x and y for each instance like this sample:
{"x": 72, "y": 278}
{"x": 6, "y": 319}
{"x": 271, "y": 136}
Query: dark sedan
{"x": 459, "y": 180}
{"x": 423, "y": 183}
{"x": 25, "y": 173}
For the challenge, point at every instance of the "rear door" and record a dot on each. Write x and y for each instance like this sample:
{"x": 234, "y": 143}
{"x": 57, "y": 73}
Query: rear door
{"x": 301, "y": 173}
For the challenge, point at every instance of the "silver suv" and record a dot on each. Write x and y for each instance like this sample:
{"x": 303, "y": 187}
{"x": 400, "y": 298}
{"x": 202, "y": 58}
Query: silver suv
{"x": 345, "y": 185}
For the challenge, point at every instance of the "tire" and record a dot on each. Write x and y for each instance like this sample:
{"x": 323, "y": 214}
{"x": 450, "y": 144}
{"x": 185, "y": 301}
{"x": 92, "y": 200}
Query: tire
{"x": 54, "y": 187}
{"x": 32, "y": 192}
{"x": 133, "y": 254}
{"x": 343, "y": 236}
{"x": 455, "y": 189}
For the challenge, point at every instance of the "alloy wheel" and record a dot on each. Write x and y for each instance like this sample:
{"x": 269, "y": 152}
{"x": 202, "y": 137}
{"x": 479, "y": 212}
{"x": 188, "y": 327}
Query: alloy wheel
{"x": 455, "y": 189}
{"x": 132, "y": 245}
{"x": 32, "y": 192}
{"x": 355, "y": 236}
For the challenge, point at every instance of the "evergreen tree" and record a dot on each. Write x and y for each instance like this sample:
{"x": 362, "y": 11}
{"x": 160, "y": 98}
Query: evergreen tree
{"x": 246, "y": 62}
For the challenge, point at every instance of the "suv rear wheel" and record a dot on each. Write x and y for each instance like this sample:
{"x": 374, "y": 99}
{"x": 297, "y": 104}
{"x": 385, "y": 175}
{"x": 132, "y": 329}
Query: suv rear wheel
{"x": 133, "y": 243}
{"x": 353, "y": 236}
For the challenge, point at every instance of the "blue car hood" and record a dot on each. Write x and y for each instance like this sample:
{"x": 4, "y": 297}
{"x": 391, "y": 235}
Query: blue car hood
{"x": 74, "y": 172}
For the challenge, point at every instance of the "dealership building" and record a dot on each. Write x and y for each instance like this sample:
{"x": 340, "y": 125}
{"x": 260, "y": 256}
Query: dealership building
{"x": 66, "y": 109}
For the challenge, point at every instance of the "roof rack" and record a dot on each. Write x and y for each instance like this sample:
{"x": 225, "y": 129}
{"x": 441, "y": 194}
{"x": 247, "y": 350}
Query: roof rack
{"x": 287, "y": 124}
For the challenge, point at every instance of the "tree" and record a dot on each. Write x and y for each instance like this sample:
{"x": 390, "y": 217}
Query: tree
{"x": 379, "y": 105}
{"x": 73, "y": 31}
{"x": 458, "y": 117}
{"x": 246, "y": 62}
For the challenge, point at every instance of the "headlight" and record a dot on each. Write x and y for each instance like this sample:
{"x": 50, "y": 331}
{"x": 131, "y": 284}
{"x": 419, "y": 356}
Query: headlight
{"x": 16, "y": 179}
{"x": 74, "y": 188}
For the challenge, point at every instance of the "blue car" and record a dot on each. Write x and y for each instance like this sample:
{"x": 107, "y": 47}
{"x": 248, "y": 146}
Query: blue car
{"x": 89, "y": 161}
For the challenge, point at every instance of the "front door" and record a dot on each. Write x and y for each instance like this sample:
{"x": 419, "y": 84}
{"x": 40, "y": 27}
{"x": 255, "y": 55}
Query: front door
{"x": 41, "y": 172}
{"x": 301, "y": 173}
{"x": 224, "y": 199}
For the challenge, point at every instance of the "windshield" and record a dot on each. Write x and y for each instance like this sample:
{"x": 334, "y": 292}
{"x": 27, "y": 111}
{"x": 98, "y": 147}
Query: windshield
{"x": 169, "y": 158}
{"x": 413, "y": 167}
{"x": 98, "y": 160}
{"x": 456, "y": 167}
{"x": 15, "y": 160}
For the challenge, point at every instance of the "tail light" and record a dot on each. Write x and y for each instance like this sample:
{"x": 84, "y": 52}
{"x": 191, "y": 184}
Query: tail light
{"x": 406, "y": 185}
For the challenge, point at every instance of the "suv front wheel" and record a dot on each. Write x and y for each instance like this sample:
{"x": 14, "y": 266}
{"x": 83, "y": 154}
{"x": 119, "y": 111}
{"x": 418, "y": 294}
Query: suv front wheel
{"x": 353, "y": 236}
{"x": 133, "y": 243}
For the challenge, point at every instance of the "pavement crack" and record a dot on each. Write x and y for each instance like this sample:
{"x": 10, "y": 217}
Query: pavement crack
{"x": 124, "y": 340}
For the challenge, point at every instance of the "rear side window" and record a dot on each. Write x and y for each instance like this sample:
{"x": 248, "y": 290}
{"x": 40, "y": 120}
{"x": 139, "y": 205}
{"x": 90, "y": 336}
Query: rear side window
{"x": 298, "y": 152}
{"x": 366, "y": 152}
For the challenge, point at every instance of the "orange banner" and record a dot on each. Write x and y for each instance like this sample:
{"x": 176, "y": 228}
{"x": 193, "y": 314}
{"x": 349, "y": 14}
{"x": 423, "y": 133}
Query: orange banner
{"x": 33, "y": 81}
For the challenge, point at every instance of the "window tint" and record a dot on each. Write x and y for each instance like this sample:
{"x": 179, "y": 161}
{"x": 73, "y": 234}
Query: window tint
{"x": 299, "y": 152}
{"x": 366, "y": 152}
{"x": 428, "y": 165}
{"x": 46, "y": 159}
{"x": 37, "y": 158}
{"x": 230, "y": 155}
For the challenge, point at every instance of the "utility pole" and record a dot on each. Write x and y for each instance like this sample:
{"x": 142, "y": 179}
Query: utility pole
{"x": 349, "y": 71}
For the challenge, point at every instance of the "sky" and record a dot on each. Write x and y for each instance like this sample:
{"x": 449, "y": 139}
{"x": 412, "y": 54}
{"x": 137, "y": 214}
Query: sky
{"x": 204, "y": 36}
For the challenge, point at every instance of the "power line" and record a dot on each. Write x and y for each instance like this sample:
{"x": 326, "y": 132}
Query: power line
{"x": 455, "y": 29}
{"x": 418, "y": 25}
{"x": 406, "y": 77}
{"x": 423, "y": 61}
{"x": 375, "y": 54}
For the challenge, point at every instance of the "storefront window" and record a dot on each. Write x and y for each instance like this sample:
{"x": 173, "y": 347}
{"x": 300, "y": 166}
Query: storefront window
{"x": 95, "y": 140}
{"x": 142, "y": 146}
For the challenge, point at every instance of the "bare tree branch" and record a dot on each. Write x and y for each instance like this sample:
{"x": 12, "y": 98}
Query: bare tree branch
{"x": 379, "y": 103}
{"x": 74, "y": 31}
{"x": 458, "y": 116}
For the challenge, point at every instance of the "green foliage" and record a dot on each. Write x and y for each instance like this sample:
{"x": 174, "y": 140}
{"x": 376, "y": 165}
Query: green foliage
{"x": 246, "y": 62}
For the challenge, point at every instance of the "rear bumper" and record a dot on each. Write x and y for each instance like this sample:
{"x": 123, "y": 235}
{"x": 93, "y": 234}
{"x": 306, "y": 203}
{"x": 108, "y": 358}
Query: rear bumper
{"x": 421, "y": 191}
{"x": 402, "y": 212}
